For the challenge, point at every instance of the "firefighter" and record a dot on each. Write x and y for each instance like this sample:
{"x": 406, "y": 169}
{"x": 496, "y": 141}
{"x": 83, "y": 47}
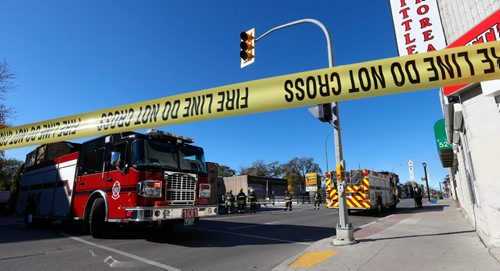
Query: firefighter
{"x": 241, "y": 198}
{"x": 229, "y": 201}
{"x": 417, "y": 192}
{"x": 317, "y": 199}
{"x": 288, "y": 200}
{"x": 252, "y": 198}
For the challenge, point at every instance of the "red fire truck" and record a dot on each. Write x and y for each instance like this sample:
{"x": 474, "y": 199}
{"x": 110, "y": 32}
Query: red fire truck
{"x": 155, "y": 178}
{"x": 366, "y": 190}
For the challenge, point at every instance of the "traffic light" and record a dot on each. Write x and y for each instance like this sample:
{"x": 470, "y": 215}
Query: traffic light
{"x": 340, "y": 172}
{"x": 335, "y": 115}
{"x": 247, "y": 45}
{"x": 325, "y": 112}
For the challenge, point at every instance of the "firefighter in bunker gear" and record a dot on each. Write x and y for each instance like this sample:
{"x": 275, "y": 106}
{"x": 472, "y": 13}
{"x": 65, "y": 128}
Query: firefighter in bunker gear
{"x": 252, "y": 198}
{"x": 288, "y": 201}
{"x": 229, "y": 201}
{"x": 317, "y": 199}
{"x": 242, "y": 201}
{"x": 417, "y": 190}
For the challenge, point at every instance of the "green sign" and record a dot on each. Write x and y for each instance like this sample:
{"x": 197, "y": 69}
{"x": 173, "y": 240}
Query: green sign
{"x": 441, "y": 138}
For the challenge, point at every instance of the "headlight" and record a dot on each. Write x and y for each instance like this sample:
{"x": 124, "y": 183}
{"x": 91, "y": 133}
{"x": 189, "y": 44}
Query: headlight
{"x": 149, "y": 189}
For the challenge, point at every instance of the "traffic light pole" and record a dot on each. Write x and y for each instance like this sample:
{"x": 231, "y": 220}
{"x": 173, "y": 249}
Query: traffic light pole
{"x": 344, "y": 231}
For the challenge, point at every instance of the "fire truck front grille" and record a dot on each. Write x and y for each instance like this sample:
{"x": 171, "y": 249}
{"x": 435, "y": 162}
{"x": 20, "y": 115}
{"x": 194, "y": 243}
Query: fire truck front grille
{"x": 180, "y": 188}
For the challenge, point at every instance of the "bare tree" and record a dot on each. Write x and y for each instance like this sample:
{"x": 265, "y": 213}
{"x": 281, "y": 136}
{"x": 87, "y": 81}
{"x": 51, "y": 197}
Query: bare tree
{"x": 6, "y": 85}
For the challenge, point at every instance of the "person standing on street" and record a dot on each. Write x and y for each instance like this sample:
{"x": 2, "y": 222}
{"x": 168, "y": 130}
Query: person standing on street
{"x": 417, "y": 192}
{"x": 288, "y": 201}
{"x": 252, "y": 198}
{"x": 229, "y": 201}
{"x": 317, "y": 200}
{"x": 241, "y": 198}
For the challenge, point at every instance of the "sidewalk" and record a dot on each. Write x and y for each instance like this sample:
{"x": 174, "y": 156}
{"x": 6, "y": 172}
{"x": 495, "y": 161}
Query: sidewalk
{"x": 437, "y": 237}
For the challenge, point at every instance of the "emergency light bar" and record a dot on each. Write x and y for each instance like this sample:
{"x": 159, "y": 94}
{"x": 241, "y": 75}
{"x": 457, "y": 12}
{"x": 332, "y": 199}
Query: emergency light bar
{"x": 154, "y": 133}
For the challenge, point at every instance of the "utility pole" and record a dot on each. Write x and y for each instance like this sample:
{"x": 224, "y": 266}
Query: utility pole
{"x": 344, "y": 230}
{"x": 427, "y": 182}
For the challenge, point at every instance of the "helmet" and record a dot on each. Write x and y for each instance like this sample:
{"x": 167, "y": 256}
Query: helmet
{"x": 241, "y": 189}
{"x": 251, "y": 190}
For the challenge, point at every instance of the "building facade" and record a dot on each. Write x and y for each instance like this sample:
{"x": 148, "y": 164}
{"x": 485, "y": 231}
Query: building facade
{"x": 472, "y": 121}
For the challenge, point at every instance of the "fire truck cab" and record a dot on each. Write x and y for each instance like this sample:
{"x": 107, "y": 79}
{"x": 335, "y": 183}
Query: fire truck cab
{"x": 156, "y": 178}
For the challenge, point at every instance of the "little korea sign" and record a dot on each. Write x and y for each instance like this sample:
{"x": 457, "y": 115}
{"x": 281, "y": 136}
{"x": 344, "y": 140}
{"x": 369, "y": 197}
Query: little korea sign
{"x": 417, "y": 26}
{"x": 486, "y": 31}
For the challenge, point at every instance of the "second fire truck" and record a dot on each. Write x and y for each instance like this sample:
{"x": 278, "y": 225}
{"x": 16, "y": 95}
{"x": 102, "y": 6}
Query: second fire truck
{"x": 366, "y": 190}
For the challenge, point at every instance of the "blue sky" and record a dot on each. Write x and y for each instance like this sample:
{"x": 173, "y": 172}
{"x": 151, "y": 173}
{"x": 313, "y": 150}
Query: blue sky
{"x": 73, "y": 57}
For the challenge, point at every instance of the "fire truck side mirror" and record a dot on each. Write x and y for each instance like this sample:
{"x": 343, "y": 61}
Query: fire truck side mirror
{"x": 115, "y": 159}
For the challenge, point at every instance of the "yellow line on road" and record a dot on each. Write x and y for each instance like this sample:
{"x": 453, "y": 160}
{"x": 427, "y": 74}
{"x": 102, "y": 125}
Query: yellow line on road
{"x": 312, "y": 258}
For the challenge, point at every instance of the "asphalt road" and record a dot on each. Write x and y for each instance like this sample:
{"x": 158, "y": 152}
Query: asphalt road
{"x": 228, "y": 242}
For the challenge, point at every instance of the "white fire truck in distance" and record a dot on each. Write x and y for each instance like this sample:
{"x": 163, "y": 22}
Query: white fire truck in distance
{"x": 366, "y": 190}
{"x": 155, "y": 178}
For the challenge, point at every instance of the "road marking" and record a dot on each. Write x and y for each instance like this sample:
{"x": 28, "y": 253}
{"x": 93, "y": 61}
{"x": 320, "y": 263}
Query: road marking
{"x": 373, "y": 222}
{"x": 312, "y": 258}
{"x": 244, "y": 227}
{"x": 254, "y": 225}
{"x": 254, "y": 236}
{"x": 132, "y": 256}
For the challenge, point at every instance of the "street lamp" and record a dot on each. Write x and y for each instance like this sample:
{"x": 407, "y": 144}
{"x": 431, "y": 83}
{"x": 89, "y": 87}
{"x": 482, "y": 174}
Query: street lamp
{"x": 345, "y": 234}
{"x": 427, "y": 181}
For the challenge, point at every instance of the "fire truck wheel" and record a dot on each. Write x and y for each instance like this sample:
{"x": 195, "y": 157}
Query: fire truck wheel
{"x": 97, "y": 216}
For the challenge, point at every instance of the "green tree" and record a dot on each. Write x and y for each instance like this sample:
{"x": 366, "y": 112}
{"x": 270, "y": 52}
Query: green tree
{"x": 296, "y": 170}
{"x": 225, "y": 171}
{"x": 258, "y": 168}
{"x": 276, "y": 169}
{"x": 8, "y": 170}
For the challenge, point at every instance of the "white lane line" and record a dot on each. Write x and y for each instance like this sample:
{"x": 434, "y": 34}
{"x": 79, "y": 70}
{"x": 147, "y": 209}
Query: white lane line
{"x": 254, "y": 225}
{"x": 132, "y": 256}
{"x": 254, "y": 236}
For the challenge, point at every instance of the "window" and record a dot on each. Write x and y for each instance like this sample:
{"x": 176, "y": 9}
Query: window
{"x": 122, "y": 149}
{"x": 93, "y": 161}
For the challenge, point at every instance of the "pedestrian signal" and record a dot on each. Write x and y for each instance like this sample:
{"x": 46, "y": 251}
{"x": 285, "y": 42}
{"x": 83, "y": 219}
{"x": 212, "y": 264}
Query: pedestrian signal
{"x": 247, "y": 46}
{"x": 340, "y": 173}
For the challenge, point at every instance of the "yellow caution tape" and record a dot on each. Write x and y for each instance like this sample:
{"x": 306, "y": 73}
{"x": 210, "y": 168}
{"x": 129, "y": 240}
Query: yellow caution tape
{"x": 462, "y": 65}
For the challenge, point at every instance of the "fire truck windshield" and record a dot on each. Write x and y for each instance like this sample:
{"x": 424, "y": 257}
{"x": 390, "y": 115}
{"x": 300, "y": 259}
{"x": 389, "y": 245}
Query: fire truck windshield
{"x": 152, "y": 153}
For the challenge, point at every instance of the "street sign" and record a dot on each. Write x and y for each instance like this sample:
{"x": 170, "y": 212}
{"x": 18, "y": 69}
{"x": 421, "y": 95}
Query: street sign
{"x": 311, "y": 182}
{"x": 486, "y": 31}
